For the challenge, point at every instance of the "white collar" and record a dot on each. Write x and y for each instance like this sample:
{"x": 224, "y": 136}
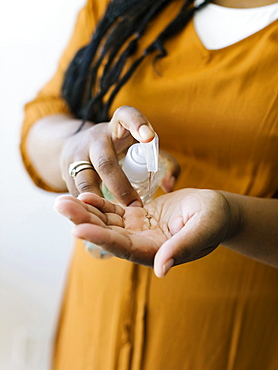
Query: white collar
{"x": 218, "y": 26}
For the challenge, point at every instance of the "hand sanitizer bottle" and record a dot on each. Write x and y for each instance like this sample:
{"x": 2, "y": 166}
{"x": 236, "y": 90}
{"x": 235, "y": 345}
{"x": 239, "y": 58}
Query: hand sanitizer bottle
{"x": 145, "y": 170}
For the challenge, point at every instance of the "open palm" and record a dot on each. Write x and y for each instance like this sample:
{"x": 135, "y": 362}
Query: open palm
{"x": 172, "y": 229}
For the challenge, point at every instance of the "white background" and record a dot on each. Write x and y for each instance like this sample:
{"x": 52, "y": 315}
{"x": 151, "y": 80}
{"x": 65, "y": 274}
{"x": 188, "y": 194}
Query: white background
{"x": 35, "y": 242}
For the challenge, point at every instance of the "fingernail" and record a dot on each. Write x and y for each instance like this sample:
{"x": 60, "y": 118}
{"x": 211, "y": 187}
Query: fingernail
{"x": 136, "y": 203}
{"x": 145, "y": 132}
{"x": 61, "y": 211}
{"x": 166, "y": 267}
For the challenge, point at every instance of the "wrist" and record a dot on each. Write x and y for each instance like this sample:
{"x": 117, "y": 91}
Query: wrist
{"x": 235, "y": 216}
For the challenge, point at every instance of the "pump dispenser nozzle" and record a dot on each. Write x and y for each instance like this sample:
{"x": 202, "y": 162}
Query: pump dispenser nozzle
{"x": 150, "y": 151}
{"x": 141, "y": 159}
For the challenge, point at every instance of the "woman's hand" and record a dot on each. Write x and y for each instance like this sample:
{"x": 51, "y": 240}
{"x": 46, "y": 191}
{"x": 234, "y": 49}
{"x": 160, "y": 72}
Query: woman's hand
{"x": 175, "y": 228}
{"x": 103, "y": 145}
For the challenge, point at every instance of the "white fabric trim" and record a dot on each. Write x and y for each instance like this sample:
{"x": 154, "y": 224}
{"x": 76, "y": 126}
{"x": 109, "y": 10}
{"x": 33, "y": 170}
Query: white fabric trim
{"x": 218, "y": 26}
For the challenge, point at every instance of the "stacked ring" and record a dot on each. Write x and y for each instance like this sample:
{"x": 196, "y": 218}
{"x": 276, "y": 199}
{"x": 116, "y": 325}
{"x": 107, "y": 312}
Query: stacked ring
{"x": 76, "y": 167}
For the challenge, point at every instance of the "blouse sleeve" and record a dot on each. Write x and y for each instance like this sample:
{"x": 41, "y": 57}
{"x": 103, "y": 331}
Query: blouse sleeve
{"x": 49, "y": 101}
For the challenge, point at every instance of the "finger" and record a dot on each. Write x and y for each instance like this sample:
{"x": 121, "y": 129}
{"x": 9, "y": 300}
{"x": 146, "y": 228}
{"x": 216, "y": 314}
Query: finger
{"x": 102, "y": 204}
{"x": 116, "y": 241}
{"x": 106, "y": 163}
{"x": 69, "y": 204}
{"x": 172, "y": 171}
{"x": 79, "y": 212}
{"x": 88, "y": 181}
{"x": 84, "y": 180}
{"x": 127, "y": 120}
{"x": 192, "y": 242}
{"x": 71, "y": 185}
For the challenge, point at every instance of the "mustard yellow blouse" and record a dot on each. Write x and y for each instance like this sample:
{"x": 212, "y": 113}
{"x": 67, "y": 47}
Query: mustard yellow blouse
{"x": 217, "y": 113}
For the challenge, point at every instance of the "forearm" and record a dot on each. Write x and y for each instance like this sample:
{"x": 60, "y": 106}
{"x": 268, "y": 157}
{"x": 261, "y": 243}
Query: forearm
{"x": 257, "y": 227}
{"x": 45, "y": 143}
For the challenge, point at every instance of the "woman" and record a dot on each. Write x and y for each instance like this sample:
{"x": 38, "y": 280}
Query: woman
{"x": 212, "y": 98}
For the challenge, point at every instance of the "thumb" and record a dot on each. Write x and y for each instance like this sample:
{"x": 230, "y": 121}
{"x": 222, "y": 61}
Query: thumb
{"x": 164, "y": 258}
{"x": 193, "y": 241}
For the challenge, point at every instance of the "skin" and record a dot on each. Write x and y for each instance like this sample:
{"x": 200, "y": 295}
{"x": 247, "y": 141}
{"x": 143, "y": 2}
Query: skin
{"x": 175, "y": 228}
{"x": 53, "y": 137}
{"x": 102, "y": 145}
{"x": 178, "y": 227}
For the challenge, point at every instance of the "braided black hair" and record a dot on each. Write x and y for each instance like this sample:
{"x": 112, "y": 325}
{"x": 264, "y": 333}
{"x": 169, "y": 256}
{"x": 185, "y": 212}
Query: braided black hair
{"x": 123, "y": 20}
